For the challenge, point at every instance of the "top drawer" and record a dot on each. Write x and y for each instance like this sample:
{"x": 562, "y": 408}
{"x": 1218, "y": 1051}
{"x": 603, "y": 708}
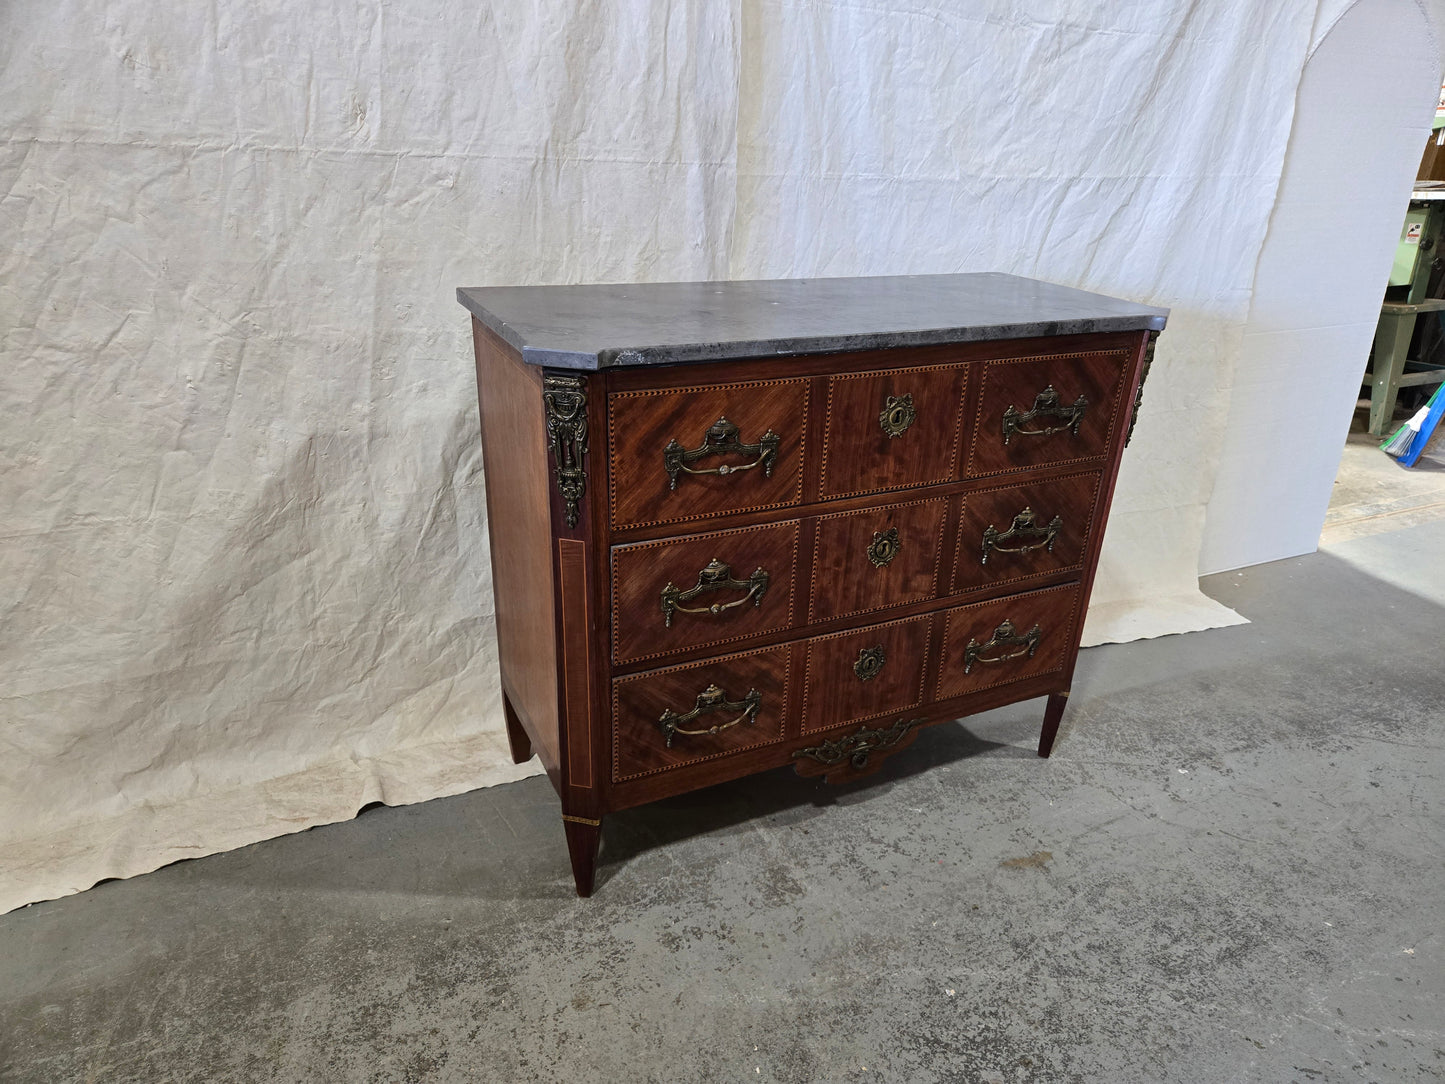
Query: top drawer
{"x": 696, "y": 452}
{"x": 1043, "y": 411}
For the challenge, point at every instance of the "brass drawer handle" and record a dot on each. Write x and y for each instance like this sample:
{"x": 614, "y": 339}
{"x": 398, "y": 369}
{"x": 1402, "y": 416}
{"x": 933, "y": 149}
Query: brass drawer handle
{"x": 721, "y": 438}
{"x": 1003, "y": 637}
{"x": 1025, "y": 525}
{"x": 715, "y": 576}
{"x": 1046, "y": 404}
{"x": 710, "y": 700}
{"x": 870, "y": 663}
{"x": 884, "y": 547}
{"x": 897, "y": 415}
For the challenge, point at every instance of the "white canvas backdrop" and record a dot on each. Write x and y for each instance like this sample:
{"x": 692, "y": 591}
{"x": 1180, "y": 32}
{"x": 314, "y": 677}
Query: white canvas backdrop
{"x": 243, "y": 573}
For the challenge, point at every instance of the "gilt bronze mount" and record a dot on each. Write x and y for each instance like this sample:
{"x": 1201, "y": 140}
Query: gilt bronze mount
{"x": 565, "y": 404}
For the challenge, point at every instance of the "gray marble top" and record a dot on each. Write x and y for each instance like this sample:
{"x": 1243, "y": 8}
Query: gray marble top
{"x": 600, "y": 327}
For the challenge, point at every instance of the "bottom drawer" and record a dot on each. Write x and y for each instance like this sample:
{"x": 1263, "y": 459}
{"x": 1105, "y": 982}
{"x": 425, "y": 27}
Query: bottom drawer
{"x": 1008, "y": 639}
{"x": 687, "y": 714}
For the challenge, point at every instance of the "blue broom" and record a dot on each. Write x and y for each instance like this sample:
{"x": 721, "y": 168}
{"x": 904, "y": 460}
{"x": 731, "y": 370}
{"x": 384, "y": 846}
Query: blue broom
{"x": 1410, "y": 439}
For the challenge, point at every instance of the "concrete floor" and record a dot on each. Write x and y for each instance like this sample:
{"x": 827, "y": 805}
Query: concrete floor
{"x": 1233, "y": 869}
{"x": 1373, "y": 493}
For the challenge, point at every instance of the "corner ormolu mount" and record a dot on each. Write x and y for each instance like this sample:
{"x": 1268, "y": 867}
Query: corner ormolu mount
{"x": 566, "y": 406}
{"x": 1139, "y": 395}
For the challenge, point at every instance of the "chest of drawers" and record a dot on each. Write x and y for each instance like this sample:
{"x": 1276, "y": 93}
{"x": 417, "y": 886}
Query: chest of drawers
{"x": 741, "y": 525}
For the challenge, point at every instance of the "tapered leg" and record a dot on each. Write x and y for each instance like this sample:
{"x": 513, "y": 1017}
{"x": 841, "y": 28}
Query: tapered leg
{"x": 1052, "y": 714}
{"x": 583, "y": 837}
{"x": 516, "y": 736}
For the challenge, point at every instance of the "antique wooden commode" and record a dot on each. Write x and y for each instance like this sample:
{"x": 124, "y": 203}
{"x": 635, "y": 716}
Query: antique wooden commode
{"x": 737, "y": 525}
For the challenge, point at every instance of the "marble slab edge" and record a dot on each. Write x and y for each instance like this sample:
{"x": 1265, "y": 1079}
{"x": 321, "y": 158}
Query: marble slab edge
{"x": 685, "y": 353}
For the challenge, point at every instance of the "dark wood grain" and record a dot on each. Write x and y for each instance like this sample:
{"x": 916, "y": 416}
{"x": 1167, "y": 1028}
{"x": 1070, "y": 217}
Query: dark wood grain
{"x": 814, "y": 365}
{"x": 833, "y": 692}
{"x": 1071, "y": 499}
{"x": 844, "y": 579}
{"x": 588, "y": 662}
{"x": 638, "y": 703}
{"x": 1100, "y": 377}
{"x": 641, "y": 571}
{"x": 693, "y": 777}
{"x": 517, "y": 740}
{"x": 641, "y": 424}
{"x": 1052, "y": 715}
{"x": 577, "y": 671}
{"x": 859, "y": 456}
{"x": 514, "y": 450}
{"x": 1056, "y": 611}
{"x": 584, "y": 836}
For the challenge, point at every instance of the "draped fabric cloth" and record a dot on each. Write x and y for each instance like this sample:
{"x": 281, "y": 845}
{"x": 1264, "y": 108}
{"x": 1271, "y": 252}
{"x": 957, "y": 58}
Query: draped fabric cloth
{"x": 243, "y": 563}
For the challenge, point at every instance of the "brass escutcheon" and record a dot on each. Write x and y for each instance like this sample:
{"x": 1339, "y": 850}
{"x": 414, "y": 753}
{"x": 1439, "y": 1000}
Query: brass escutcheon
{"x": 884, "y": 547}
{"x": 870, "y": 663}
{"x": 897, "y": 415}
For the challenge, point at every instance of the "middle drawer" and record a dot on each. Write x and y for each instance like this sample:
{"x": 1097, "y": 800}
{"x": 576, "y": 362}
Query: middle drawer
{"x": 715, "y": 588}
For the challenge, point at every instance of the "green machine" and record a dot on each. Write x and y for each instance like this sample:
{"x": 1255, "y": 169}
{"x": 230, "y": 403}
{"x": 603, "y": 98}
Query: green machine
{"x": 1419, "y": 239}
{"x": 1415, "y": 255}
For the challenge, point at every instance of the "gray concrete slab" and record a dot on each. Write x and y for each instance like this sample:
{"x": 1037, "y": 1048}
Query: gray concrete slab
{"x": 663, "y": 323}
{"x": 1231, "y": 870}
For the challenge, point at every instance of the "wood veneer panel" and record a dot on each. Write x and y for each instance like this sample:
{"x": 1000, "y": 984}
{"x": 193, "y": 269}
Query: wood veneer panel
{"x": 1099, "y": 377}
{"x": 640, "y": 745}
{"x": 576, "y": 671}
{"x": 845, "y": 580}
{"x": 1070, "y": 499}
{"x": 833, "y": 692}
{"x": 859, "y": 456}
{"x": 1056, "y": 612}
{"x": 641, "y": 571}
{"x": 641, "y": 424}
{"x": 519, "y": 529}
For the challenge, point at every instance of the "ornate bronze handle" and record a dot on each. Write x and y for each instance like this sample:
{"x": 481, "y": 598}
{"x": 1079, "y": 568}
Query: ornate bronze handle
{"x": 715, "y": 576}
{"x": 884, "y": 547}
{"x": 1004, "y": 636}
{"x": 1024, "y": 526}
{"x": 897, "y": 415}
{"x": 1046, "y": 404}
{"x": 857, "y": 747}
{"x": 721, "y": 438}
{"x": 709, "y": 700}
{"x": 870, "y": 663}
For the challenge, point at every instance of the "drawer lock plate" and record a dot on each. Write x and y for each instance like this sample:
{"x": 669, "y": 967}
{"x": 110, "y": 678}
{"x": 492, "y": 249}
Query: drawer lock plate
{"x": 870, "y": 663}
{"x": 897, "y": 415}
{"x": 884, "y": 547}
